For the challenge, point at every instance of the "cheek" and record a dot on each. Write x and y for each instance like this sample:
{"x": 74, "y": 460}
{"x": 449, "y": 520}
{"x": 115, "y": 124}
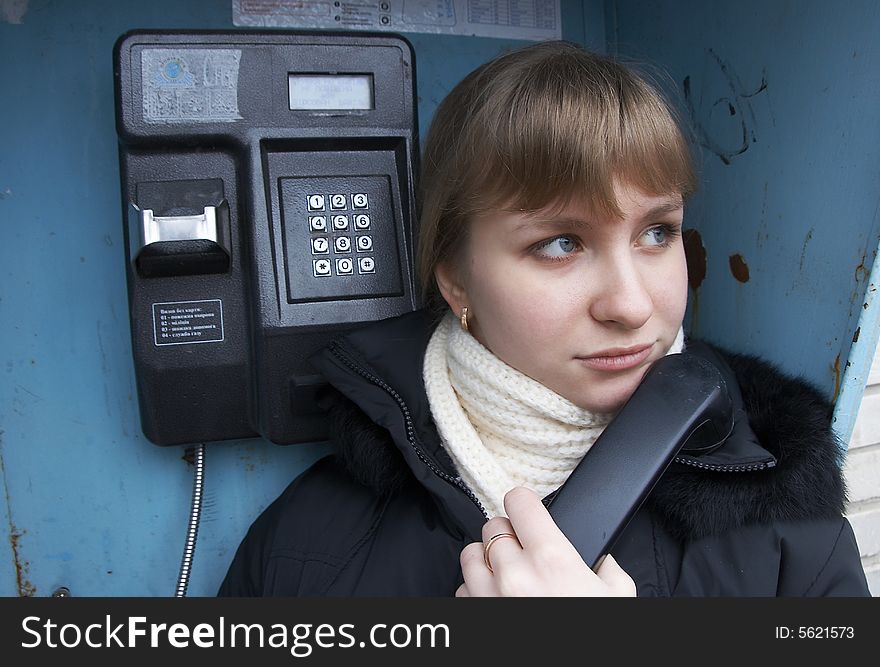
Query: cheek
{"x": 670, "y": 290}
{"x": 528, "y": 308}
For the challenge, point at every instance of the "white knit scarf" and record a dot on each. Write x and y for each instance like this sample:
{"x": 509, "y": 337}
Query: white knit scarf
{"x": 500, "y": 427}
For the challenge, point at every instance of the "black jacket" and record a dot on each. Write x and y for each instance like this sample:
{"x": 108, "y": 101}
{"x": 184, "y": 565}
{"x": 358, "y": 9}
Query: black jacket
{"x": 388, "y": 515}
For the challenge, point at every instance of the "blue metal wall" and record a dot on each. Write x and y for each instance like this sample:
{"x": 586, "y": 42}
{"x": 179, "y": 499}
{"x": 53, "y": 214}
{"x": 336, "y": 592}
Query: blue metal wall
{"x": 783, "y": 97}
{"x": 87, "y": 502}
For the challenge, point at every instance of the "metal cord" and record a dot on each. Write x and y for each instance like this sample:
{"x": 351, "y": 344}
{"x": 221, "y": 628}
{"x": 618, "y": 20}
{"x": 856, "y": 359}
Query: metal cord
{"x": 194, "y": 517}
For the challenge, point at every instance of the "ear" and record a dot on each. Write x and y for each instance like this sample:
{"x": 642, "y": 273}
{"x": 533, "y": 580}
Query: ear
{"x": 451, "y": 285}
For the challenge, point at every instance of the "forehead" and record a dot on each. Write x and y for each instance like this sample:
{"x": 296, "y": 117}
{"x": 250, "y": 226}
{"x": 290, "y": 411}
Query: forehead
{"x": 631, "y": 203}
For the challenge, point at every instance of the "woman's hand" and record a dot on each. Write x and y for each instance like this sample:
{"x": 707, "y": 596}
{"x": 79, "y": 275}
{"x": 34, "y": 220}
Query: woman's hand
{"x": 536, "y": 560}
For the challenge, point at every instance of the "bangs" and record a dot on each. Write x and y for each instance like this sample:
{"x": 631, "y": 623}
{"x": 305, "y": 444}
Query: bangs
{"x": 567, "y": 130}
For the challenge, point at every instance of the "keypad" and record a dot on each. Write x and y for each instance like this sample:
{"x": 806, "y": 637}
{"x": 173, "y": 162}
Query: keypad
{"x": 341, "y": 219}
{"x": 341, "y": 238}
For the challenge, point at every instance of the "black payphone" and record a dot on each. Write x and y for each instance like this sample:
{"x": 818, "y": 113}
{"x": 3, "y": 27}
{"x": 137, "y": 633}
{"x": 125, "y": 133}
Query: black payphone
{"x": 267, "y": 187}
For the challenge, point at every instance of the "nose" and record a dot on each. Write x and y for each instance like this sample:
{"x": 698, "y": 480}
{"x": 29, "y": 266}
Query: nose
{"x": 622, "y": 295}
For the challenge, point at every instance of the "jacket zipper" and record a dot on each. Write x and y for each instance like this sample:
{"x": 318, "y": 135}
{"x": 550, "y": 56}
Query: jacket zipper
{"x": 748, "y": 467}
{"x": 336, "y": 349}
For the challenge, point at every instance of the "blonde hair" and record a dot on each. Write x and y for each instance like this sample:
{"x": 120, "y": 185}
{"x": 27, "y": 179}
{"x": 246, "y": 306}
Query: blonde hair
{"x": 534, "y": 128}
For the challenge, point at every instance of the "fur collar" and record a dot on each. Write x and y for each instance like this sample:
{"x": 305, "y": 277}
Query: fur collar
{"x": 792, "y": 421}
{"x": 789, "y": 418}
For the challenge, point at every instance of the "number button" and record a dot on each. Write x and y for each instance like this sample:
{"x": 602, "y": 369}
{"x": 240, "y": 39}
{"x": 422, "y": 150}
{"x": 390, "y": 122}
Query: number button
{"x": 344, "y": 266}
{"x": 316, "y": 202}
{"x": 322, "y": 267}
{"x": 361, "y": 221}
{"x": 318, "y": 223}
{"x": 364, "y": 243}
{"x": 340, "y": 222}
{"x": 359, "y": 201}
{"x": 366, "y": 265}
{"x": 343, "y": 244}
{"x": 320, "y": 246}
{"x": 337, "y": 201}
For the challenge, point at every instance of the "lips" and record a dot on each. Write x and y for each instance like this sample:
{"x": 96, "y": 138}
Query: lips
{"x": 618, "y": 359}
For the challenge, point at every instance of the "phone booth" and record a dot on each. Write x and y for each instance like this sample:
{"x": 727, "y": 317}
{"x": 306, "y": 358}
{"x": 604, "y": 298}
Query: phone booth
{"x": 174, "y": 251}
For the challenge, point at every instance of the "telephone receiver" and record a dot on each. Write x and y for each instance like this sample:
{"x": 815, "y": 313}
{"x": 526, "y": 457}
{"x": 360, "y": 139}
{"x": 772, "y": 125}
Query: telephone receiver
{"x": 681, "y": 405}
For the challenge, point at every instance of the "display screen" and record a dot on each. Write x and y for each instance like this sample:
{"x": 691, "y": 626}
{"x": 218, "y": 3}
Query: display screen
{"x": 330, "y": 91}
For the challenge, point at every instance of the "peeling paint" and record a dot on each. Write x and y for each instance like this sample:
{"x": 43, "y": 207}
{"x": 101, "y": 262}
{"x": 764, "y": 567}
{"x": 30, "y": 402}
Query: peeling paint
{"x": 739, "y": 268}
{"x": 856, "y": 335}
{"x": 13, "y": 11}
{"x": 22, "y": 567}
{"x": 695, "y": 253}
{"x": 836, "y": 371}
{"x": 862, "y": 272}
{"x": 25, "y": 588}
{"x": 804, "y": 249}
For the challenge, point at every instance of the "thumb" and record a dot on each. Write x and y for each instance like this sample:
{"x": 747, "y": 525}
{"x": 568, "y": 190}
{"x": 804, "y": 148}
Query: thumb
{"x": 615, "y": 577}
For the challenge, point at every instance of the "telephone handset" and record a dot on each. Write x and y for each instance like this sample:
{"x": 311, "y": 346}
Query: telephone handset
{"x": 681, "y": 405}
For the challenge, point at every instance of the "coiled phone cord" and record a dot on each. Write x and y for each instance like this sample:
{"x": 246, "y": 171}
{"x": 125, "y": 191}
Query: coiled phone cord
{"x": 194, "y": 517}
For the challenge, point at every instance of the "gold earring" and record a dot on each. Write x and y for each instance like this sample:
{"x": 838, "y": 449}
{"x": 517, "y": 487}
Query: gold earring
{"x": 464, "y": 316}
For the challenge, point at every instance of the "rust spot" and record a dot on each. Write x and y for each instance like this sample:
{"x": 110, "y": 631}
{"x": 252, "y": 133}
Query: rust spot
{"x": 856, "y": 335}
{"x": 25, "y": 588}
{"x": 695, "y": 253}
{"x": 861, "y": 270}
{"x": 739, "y": 268}
{"x": 836, "y": 370}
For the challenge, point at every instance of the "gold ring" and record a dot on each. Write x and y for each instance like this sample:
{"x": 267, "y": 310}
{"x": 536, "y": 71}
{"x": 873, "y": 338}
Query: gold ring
{"x": 488, "y": 546}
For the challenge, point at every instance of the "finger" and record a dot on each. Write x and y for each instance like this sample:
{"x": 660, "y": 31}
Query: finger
{"x": 477, "y": 578}
{"x": 496, "y": 525}
{"x": 532, "y": 523}
{"x": 505, "y": 548}
{"x": 615, "y": 577}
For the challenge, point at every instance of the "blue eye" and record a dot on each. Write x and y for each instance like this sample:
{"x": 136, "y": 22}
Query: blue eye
{"x": 558, "y": 248}
{"x": 661, "y": 235}
{"x": 656, "y": 236}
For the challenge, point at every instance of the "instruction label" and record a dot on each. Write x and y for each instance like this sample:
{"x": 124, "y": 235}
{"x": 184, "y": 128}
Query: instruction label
{"x": 511, "y": 19}
{"x": 190, "y": 85}
{"x": 186, "y": 322}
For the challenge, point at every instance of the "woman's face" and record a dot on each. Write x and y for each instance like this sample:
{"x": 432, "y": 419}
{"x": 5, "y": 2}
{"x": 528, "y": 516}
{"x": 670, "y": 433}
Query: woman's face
{"x": 581, "y": 302}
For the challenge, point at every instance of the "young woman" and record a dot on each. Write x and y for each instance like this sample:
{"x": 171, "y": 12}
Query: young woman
{"x": 551, "y": 256}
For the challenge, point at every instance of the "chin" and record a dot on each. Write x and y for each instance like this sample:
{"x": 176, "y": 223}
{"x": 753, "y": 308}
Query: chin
{"x": 600, "y": 404}
{"x": 607, "y": 401}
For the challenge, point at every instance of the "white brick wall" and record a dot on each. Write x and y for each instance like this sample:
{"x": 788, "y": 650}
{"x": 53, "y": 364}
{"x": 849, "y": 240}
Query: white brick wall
{"x": 863, "y": 478}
